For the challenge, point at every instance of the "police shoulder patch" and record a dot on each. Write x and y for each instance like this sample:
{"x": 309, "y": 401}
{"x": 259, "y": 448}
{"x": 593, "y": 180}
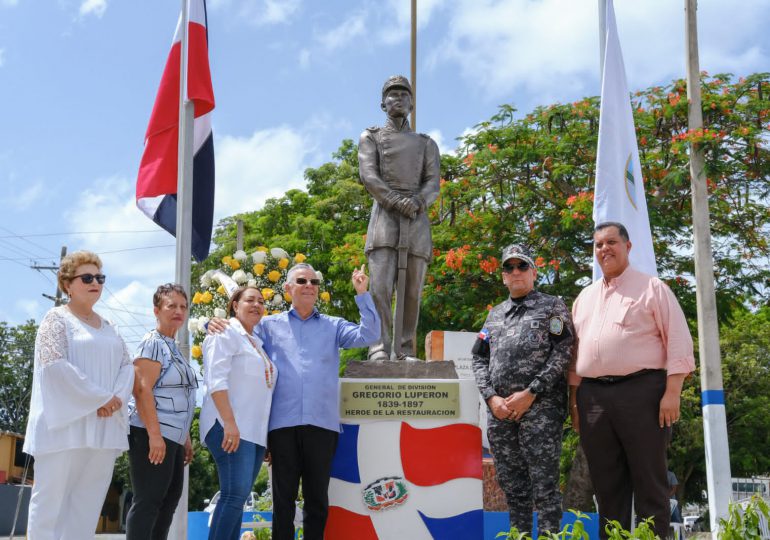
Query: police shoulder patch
{"x": 556, "y": 326}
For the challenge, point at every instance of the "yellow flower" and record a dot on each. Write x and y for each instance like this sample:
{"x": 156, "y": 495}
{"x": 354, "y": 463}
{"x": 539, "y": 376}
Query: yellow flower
{"x": 274, "y": 276}
{"x": 325, "y": 297}
{"x": 226, "y": 259}
{"x": 267, "y": 294}
{"x": 221, "y": 290}
{"x": 283, "y": 263}
{"x": 299, "y": 258}
{"x": 197, "y": 298}
{"x": 259, "y": 269}
{"x": 263, "y": 248}
{"x": 275, "y": 312}
{"x": 287, "y": 297}
{"x": 207, "y": 297}
{"x": 234, "y": 264}
{"x": 196, "y": 351}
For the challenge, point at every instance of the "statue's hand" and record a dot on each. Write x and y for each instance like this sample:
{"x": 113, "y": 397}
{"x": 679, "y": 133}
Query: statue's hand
{"x": 408, "y": 207}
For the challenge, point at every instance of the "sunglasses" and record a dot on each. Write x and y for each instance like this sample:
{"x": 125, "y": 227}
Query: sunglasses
{"x": 522, "y": 267}
{"x": 89, "y": 278}
{"x": 303, "y": 281}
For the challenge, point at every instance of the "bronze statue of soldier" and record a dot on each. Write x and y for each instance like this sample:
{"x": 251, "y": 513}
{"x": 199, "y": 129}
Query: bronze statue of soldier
{"x": 400, "y": 169}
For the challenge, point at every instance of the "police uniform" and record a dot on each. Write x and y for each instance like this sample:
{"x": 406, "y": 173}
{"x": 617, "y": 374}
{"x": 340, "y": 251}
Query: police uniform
{"x": 397, "y": 163}
{"x": 527, "y": 343}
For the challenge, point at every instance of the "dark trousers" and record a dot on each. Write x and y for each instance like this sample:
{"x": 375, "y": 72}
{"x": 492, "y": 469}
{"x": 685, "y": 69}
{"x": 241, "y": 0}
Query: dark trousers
{"x": 301, "y": 452}
{"x": 157, "y": 488}
{"x": 626, "y": 448}
{"x": 526, "y": 455}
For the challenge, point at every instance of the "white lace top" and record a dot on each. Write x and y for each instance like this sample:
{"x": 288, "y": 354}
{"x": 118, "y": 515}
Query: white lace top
{"x": 78, "y": 369}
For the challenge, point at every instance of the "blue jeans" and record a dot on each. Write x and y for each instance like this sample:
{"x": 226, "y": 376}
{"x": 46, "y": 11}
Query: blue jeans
{"x": 237, "y": 472}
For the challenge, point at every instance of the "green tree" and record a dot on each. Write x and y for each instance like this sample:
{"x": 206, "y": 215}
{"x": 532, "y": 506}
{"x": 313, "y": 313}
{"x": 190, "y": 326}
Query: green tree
{"x": 17, "y": 358}
{"x": 745, "y": 348}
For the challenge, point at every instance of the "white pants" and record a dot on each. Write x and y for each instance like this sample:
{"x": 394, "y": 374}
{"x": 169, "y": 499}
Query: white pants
{"x": 68, "y": 493}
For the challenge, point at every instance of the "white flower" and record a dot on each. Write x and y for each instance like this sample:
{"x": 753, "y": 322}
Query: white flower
{"x": 220, "y": 313}
{"x": 202, "y": 322}
{"x": 279, "y": 253}
{"x": 240, "y": 255}
{"x": 259, "y": 257}
{"x": 239, "y": 276}
{"x": 277, "y": 300}
{"x": 252, "y": 283}
{"x": 206, "y": 280}
{"x": 192, "y": 325}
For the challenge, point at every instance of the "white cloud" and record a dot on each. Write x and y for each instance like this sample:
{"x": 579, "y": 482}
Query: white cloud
{"x": 93, "y": 7}
{"x": 252, "y": 169}
{"x": 9, "y": 3}
{"x": 550, "y": 49}
{"x": 259, "y": 12}
{"x": 109, "y": 207}
{"x": 28, "y": 196}
{"x": 304, "y": 59}
{"x": 345, "y": 32}
{"x": 31, "y": 309}
{"x": 400, "y": 28}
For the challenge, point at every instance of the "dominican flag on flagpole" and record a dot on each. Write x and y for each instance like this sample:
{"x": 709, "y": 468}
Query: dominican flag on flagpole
{"x": 619, "y": 193}
{"x": 156, "y": 185}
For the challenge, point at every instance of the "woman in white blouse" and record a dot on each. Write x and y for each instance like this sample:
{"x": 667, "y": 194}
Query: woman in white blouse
{"x": 77, "y": 424}
{"x": 238, "y": 381}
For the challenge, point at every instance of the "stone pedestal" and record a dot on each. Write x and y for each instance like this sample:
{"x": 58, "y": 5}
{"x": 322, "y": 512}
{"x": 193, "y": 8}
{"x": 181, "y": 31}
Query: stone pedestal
{"x": 408, "y": 463}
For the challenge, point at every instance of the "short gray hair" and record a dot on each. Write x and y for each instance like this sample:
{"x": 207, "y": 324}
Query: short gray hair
{"x": 297, "y": 267}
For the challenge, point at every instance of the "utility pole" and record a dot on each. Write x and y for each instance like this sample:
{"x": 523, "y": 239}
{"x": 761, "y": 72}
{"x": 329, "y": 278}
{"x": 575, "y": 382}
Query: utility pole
{"x": 239, "y": 235}
{"x": 414, "y": 65}
{"x": 57, "y": 299}
{"x": 712, "y": 391}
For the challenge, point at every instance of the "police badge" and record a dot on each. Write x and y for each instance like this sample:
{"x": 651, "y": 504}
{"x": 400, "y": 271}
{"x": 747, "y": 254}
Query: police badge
{"x": 556, "y": 326}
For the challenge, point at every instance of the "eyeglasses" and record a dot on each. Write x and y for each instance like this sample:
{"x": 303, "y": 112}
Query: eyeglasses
{"x": 89, "y": 278}
{"x": 523, "y": 266}
{"x": 303, "y": 281}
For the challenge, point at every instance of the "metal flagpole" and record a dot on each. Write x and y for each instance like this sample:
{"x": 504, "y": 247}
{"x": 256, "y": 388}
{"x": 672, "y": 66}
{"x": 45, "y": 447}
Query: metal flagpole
{"x": 184, "y": 234}
{"x": 602, "y": 37}
{"x": 712, "y": 393}
{"x": 414, "y": 65}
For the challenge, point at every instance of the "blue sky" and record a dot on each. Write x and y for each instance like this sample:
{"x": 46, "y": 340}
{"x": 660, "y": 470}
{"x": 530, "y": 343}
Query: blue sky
{"x": 292, "y": 79}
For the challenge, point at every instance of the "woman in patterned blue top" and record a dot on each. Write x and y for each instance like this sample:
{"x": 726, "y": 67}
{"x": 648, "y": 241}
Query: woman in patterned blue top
{"x": 161, "y": 412}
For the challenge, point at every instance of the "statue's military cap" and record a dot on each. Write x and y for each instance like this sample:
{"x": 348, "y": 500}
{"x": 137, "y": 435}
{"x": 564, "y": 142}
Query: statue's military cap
{"x": 396, "y": 81}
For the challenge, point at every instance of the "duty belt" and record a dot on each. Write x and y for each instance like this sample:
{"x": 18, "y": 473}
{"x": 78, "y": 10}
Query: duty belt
{"x": 610, "y": 379}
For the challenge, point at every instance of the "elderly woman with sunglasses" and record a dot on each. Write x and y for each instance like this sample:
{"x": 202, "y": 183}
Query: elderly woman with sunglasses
{"x": 239, "y": 378}
{"x": 78, "y": 419}
{"x": 160, "y": 414}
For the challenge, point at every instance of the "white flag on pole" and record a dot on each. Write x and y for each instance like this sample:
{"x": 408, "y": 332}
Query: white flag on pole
{"x": 619, "y": 191}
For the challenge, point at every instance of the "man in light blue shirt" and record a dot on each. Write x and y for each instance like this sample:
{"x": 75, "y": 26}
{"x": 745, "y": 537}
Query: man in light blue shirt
{"x": 304, "y": 419}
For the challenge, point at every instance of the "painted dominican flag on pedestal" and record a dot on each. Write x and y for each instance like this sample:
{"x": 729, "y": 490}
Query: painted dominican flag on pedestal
{"x": 391, "y": 480}
{"x": 156, "y": 185}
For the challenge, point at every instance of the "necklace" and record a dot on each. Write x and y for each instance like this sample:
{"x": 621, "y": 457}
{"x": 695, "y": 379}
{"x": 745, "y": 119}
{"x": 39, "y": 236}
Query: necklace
{"x": 269, "y": 369}
{"x": 88, "y": 319}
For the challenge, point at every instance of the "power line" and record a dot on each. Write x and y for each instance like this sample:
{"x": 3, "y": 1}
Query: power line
{"x": 14, "y": 235}
{"x": 74, "y": 233}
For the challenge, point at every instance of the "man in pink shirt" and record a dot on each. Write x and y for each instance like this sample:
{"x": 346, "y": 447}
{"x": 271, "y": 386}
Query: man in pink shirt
{"x": 634, "y": 352}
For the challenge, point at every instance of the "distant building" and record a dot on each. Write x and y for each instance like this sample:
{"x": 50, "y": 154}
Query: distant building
{"x": 12, "y": 458}
{"x": 744, "y": 488}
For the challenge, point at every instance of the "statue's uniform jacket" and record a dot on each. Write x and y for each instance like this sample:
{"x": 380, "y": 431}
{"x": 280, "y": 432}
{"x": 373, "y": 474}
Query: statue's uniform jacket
{"x": 394, "y": 162}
